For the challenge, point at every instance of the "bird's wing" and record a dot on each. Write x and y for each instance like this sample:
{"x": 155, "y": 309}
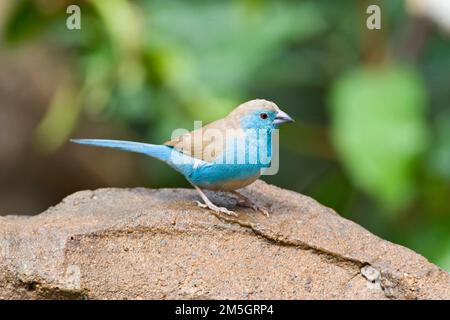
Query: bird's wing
{"x": 205, "y": 143}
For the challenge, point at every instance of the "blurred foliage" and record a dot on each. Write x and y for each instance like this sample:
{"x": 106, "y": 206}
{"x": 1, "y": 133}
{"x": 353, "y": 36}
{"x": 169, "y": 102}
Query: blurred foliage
{"x": 379, "y": 129}
{"x": 372, "y": 137}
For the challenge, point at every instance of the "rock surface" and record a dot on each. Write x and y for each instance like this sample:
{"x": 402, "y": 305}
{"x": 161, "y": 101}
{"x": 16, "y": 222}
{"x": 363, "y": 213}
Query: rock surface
{"x": 157, "y": 244}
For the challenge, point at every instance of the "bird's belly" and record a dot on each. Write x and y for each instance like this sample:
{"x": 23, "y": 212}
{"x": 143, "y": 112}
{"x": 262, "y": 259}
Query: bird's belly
{"x": 226, "y": 177}
{"x": 231, "y": 184}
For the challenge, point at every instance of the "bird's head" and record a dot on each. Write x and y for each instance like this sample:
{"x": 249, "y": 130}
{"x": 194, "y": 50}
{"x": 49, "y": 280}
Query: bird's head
{"x": 260, "y": 114}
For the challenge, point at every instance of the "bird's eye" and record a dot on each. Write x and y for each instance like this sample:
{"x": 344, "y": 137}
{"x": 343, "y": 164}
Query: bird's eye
{"x": 263, "y": 116}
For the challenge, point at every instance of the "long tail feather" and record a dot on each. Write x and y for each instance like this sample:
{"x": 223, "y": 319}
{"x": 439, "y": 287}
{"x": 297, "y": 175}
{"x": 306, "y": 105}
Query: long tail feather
{"x": 160, "y": 152}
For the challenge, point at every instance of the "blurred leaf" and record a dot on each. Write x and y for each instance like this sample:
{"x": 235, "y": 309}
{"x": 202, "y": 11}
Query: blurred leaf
{"x": 60, "y": 120}
{"x": 440, "y": 155}
{"x": 444, "y": 261}
{"x": 223, "y": 44}
{"x": 98, "y": 68}
{"x": 432, "y": 239}
{"x": 25, "y": 21}
{"x": 379, "y": 130}
{"x": 123, "y": 24}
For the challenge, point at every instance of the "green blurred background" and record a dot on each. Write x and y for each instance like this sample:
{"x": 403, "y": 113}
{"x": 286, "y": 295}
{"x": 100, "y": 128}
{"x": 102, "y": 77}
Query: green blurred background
{"x": 372, "y": 136}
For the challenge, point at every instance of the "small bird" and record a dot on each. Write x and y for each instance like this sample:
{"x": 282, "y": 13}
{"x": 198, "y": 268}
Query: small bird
{"x": 224, "y": 155}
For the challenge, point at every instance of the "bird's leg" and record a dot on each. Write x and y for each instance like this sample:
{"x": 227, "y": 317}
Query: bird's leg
{"x": 246, "y": 202}
{"x": 208, "y": 204}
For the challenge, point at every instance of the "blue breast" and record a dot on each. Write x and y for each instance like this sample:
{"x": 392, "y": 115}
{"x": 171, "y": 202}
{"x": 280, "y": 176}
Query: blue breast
{"x": 236, "y": 164}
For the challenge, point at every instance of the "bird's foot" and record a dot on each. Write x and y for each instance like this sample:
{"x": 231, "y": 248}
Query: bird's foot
{"x": 209, "y": 205}
{"x": 261, "y": 209}
{"x": 246, "y": 202}
{"x": 213, "y": 207}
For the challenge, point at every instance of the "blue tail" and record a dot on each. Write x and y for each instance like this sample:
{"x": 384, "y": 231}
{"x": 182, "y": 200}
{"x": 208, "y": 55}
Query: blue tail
{"x": 160, "y": 152}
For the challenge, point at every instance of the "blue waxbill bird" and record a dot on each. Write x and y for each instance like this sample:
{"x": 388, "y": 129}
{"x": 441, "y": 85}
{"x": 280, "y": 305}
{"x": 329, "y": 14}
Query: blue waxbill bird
{"x": 209, "y": 157}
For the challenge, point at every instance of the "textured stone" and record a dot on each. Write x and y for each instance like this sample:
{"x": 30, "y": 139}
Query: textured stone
{"x": 157, "y": 244}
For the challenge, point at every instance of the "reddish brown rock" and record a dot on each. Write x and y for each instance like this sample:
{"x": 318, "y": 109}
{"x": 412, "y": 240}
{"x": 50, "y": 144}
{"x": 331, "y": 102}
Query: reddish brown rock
{"x": 157, "y": 244}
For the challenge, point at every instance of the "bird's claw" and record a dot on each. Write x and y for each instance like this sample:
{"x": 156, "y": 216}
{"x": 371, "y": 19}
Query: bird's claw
{"x": 257, "y": 208}
{"x": 217, "y": 209}
{"x": 245, "y": 202}
{"x": 263, "y": 210}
